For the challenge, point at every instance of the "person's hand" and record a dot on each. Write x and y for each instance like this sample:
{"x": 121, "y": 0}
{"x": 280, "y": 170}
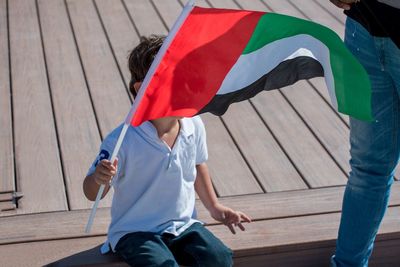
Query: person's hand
{"x": 345, "y": 4}
{"x": 229, "y": 217}
{"x": 105, "y": 171}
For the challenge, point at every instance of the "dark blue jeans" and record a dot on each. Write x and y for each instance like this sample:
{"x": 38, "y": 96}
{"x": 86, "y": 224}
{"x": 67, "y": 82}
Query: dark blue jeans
{"x": 375, "y": 148}
{"x": 196, "y": 246}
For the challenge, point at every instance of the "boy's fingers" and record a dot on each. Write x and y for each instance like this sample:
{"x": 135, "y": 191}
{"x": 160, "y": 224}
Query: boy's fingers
{"x": 244, "y": 217}
{"x": 115, "y": 163}
{"x": 231, "y": 228}
{"x": 240, "y": 225}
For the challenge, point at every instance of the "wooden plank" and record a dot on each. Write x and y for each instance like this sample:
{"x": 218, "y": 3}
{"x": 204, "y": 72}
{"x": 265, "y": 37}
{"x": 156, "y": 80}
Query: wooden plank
{"x": 310, "y": 158}
{"x": 76, "y": 124}
{"x": 319, "y": 15}
{"x": 38, "y": 165}
{"x": 306, "y": 232}
{"x": 7, "y": 179}
{"x": 85, "y": 252}
{"x": 271, "y": 206}
{"x": 336, "y": 13}
{"x": 121, "y": 32}
{"x": 140, "y": 12}
{"x": 385, "y": 254}
{"x": 111, "y": 101}
{"x": 281, "y": 237}
{"x": 331, "y": 131}
{"x": 7, "y": 205}
{"x": 169, "y": 10}
{"x": 42, "y": 253}
{"x": 266, "y": 158}
{"x": 230, "y": 173}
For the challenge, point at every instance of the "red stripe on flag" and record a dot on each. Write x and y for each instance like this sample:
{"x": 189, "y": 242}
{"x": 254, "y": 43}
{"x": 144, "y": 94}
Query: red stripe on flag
{"x": 192, "y": 70}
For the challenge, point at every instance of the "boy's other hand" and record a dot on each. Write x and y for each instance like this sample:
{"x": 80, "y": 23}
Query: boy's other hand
{"x": 105, "y": 171}
{"x": 345, "y": 4}
{"x": 229, "y": 217}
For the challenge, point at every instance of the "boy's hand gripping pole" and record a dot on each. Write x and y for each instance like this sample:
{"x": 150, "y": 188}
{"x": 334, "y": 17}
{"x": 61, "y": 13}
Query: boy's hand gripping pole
{"x": 101, "y": 189}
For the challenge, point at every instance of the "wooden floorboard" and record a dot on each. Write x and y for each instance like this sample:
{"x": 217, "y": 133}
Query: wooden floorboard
{"x": 260, "y": 207}
{"x": 327, "y": 127}
{"x": 282, "y": 157}
{"x": 76, "y": 124}
{"x": 7, "y": 179}
{"x": 38, "y": 165}
{"x": 272, "y": 167}
{"x": 145, "y": 17}
{"x": 120, "y": 31}
{"x": 107, "y": 88}
{"x": 306, "y": 239}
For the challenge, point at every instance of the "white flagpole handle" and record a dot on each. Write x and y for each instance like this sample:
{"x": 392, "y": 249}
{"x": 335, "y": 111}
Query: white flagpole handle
{"x": 101, "y": 189}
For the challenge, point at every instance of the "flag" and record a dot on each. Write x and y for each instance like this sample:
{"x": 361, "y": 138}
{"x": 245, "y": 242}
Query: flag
{"x": 220, "y": 56}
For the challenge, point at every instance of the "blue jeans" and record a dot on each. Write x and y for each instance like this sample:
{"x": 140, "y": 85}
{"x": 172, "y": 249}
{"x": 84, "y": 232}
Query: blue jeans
{"x": 374, "y": 148}
{"x": 196, "y": 246}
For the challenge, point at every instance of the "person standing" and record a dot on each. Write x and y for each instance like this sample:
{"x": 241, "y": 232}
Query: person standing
{"x": 373, "y": 36}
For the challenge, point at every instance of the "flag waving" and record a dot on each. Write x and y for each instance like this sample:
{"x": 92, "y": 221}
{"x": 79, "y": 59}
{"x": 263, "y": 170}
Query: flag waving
{"x": 221, "y": 56}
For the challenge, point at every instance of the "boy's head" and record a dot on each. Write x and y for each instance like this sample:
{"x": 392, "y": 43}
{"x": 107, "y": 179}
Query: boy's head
{"x": 140, "y": 59}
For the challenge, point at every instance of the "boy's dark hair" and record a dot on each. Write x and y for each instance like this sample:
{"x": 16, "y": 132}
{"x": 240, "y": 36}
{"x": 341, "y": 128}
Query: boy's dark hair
{"x": 141, "y": 57}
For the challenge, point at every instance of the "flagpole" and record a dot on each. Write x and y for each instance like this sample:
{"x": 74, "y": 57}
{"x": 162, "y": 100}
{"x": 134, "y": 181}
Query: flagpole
{"x": 178, "y": 23}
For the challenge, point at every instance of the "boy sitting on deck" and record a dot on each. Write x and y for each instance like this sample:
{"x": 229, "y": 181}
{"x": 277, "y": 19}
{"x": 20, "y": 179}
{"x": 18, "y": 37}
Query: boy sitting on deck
{"x": 160, "y": 166}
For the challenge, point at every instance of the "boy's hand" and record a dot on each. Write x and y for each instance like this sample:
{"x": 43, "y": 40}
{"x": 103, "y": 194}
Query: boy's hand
{"x": 229, "y": 217}
{"x": 105, "y": 171}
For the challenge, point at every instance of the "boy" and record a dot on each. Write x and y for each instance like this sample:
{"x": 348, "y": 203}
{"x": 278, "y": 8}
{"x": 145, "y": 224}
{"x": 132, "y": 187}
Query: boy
{"x": 159, "y": 167}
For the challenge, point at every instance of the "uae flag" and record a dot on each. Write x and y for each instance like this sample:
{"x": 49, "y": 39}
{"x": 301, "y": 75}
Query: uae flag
{"x": 215, "y": 57}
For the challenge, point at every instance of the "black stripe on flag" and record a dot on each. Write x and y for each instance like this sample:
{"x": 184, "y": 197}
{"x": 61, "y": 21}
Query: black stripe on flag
{"x": 286, "y": 73}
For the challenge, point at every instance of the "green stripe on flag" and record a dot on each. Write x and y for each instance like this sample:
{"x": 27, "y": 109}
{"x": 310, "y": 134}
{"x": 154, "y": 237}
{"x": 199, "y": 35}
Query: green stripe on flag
{"x": 352, "y": 84}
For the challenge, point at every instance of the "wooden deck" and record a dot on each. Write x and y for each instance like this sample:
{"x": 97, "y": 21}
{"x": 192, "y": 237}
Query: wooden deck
{"x": 282, "y": 157}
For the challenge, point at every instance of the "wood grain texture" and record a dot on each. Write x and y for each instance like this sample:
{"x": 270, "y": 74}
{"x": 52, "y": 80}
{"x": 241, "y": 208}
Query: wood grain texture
{"x": 319, "y": 15}
{"x": 270, "y": 164}
{"x": 263, "y": 243}
{"x": 78, "y": 132}
{"x": 121, "y": 32}
{"x": 330, "y": 130}
{"x": 38, "y": 165}
{"x": 310, "y": 158}
{"x": 85, "y": 252}
{"x": 110, "y": 98}
{"x": 145, "y": 17}
{"x": 7, "y": 179}
{"x": 260, "y": 207}
{"x": 229, "y": 172}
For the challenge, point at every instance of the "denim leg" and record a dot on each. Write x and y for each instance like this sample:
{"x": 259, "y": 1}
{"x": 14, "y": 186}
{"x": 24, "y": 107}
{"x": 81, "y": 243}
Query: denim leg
{"x": 198, "y": 247}
{"x": 144, "y": 249}
{"x": 374, "y": 153}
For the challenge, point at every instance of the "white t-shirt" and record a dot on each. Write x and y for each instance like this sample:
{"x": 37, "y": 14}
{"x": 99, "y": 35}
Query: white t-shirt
{"x": 154, "y": 185}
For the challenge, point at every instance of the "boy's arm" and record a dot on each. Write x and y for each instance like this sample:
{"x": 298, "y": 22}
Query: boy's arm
{"x": 218, "y": 211}
{"x": 102, "y": 175}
